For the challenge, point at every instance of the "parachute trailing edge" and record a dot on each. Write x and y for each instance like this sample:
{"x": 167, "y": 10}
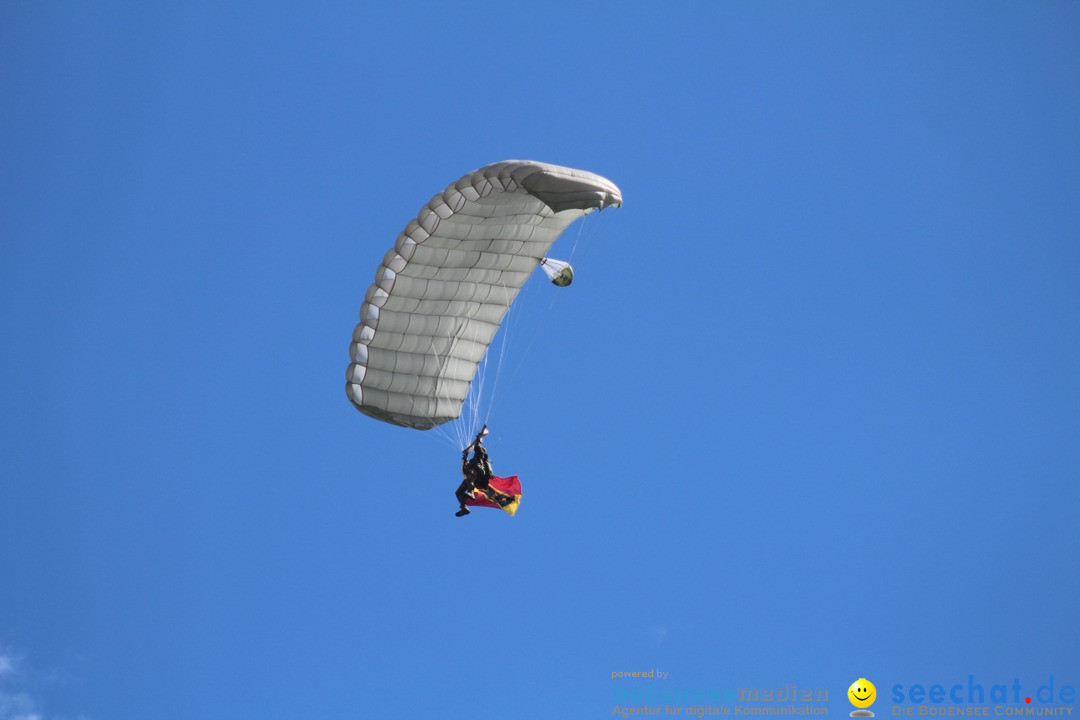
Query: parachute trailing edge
{"x": 443, "y": 289}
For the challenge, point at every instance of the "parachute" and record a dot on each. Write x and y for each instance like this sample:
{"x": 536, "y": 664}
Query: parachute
{"x": 442, "y": 291}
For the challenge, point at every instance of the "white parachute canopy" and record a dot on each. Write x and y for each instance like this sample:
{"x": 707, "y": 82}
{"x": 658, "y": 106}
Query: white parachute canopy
{"x": 442, "y": 291}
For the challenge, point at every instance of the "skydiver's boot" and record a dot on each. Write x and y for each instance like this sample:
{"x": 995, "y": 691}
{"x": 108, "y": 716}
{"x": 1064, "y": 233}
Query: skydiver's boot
{"x": 462, "y": 512}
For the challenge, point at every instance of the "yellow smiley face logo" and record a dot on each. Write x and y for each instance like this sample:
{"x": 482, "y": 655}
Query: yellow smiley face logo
{"x": 862, "y": 693}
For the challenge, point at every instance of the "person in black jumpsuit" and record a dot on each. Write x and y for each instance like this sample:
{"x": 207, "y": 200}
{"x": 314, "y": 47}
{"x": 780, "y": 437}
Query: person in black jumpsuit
{"x": 476, "y": 472}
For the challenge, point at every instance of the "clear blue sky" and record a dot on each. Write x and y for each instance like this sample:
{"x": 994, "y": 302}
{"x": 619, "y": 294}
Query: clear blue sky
{"x": 809, "y": 412}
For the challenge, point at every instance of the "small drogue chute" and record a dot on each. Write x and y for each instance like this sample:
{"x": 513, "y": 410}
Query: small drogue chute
{"x": 559, "y": 272}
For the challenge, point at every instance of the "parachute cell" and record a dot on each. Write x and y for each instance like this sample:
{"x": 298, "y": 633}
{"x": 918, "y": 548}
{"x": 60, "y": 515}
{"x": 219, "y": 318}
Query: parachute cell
{"x": 442, "y": 291}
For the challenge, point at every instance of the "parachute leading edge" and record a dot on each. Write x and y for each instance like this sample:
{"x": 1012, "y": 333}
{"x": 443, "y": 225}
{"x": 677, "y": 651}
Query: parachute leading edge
{"x": 442, "y": 291}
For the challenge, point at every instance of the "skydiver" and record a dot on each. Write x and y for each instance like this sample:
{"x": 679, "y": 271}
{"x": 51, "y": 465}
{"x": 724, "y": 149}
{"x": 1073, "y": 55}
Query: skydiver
{"x": 476, "y": 472}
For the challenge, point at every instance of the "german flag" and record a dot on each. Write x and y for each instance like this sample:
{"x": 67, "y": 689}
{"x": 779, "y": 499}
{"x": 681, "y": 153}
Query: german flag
{"x": 505, "y": 494}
